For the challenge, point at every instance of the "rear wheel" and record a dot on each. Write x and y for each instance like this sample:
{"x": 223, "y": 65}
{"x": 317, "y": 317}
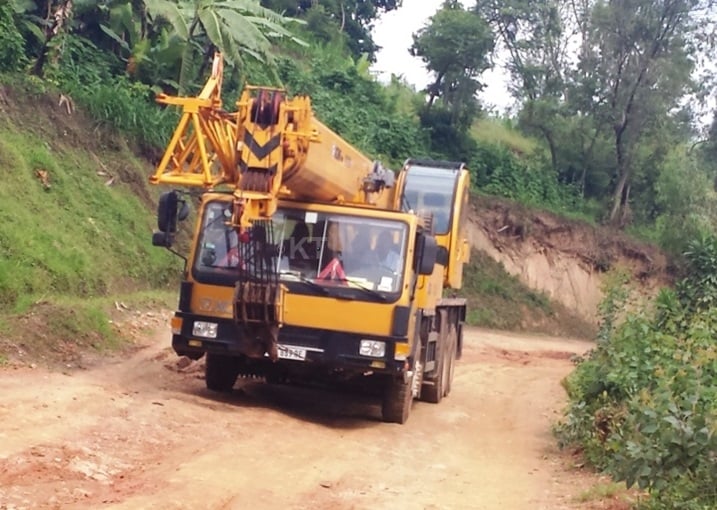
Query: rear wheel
{"x": 433, "y": 387}
{"x": 439, "y": 385}
{"x": 220, "y": 372}
{"x": 397, "y": 400}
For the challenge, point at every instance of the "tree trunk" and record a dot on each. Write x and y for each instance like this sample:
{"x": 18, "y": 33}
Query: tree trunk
{"x": 622, "y": 188}
{"x": 433, "y": 90}
{"x": 39, "y": 65}
{"x": 551, "y": 145}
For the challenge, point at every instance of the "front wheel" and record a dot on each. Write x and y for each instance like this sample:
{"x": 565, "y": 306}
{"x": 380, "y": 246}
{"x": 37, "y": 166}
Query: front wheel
{"x": 220, "y": 372}
{"x": 397, "y": 400}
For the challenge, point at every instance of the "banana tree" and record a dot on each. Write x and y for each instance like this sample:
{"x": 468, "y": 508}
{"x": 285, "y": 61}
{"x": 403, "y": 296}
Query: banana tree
{"x": 237, "y": 28}
{"x": 28, "y": 21}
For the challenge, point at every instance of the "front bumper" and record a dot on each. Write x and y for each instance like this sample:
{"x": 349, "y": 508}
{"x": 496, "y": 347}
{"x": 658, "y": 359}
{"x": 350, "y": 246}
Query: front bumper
{"x": 324, "y": 349}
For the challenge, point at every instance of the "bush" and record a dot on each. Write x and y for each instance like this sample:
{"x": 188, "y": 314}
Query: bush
{"x": 643, "y": 404}
{"x": 86, "y": 74}
{"x": 531, "y": 180}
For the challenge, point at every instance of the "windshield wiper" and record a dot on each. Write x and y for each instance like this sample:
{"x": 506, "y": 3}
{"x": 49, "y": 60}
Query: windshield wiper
{"x": 373, "y": 293}
{"x": 334, "y": 291}
{"x": 303, "y": 279}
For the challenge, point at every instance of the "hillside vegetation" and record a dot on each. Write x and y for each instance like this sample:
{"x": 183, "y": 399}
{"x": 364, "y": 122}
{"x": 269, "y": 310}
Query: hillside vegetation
{"x": 75, "y": 218}
{"x": 75, "y": 232}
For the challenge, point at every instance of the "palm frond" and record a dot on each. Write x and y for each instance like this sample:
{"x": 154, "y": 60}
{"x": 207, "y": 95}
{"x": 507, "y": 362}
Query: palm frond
{"x": 172, "y": 13}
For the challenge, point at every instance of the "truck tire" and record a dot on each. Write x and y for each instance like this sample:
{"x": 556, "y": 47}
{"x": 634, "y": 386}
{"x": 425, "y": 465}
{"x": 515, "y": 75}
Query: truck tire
{"x": 450, "y": 359}
{"x": 433, "y": 389}
{"x": 397, "y": 400}
{"x": 220, "y": 372}
{"x": 439, "y": 386}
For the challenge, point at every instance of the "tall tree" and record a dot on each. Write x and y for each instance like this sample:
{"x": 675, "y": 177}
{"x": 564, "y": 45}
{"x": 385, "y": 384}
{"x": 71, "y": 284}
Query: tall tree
{"x": 533, "y": 35}
{"x": 634, "y": 67}
{"x": 455, "y": 45}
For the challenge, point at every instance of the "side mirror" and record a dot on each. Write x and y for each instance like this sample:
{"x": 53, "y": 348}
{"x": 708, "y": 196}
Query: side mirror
{"x": 426, "y": 254}
{"x": 183, "y": 210}
{"x": 171, "y": 209}
{"x": 162, "y": 239}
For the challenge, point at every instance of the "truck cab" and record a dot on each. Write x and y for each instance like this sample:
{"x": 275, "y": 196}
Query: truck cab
{"x": 347, "y": 312}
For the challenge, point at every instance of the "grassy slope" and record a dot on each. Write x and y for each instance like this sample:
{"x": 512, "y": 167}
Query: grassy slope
{"x": 77, "y": 237}
{"x": 495, "y": 131}
{"x": 73, "y": 244}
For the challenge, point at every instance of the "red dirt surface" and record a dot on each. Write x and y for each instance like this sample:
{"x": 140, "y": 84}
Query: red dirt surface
{"x": 141, "y": 431}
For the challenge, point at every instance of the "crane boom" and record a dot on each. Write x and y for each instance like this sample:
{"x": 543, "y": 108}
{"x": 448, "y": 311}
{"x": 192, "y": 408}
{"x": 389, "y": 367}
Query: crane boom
{"x": 271, "y": 147}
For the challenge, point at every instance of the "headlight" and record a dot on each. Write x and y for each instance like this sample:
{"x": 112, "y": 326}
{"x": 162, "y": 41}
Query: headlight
{"x": 372, "y": 348}
{"x": 205, "y": 329}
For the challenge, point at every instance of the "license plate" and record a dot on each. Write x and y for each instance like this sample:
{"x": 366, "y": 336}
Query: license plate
{"x": 291, "y": 352}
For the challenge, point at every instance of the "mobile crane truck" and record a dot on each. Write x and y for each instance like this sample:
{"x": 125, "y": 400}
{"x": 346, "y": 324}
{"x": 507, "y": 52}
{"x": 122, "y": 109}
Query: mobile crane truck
{"x": 286, "y": 277}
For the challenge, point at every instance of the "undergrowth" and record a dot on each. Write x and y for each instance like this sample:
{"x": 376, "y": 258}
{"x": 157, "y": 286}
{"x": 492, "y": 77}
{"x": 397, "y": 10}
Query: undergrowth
{"x": 643, "y": 403}
{"x": 495, "y": 297}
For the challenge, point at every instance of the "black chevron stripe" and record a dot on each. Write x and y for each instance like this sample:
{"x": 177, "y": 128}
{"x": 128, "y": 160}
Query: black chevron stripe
{"x": 261, "y": 151}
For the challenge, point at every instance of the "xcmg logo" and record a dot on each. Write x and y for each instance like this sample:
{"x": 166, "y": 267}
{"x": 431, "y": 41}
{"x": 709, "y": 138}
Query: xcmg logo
{"x": 215, "y": 305}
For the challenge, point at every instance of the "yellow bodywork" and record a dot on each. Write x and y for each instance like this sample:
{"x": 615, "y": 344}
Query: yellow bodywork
{"x": 456, "y": 242}
{"x": 308, "y": 311}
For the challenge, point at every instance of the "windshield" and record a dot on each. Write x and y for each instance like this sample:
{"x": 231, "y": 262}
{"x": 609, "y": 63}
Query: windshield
{"x": 329, "y": 250}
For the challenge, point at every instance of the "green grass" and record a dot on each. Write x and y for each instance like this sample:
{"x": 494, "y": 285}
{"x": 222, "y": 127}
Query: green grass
{"x": 78, "y": 237}
{"x": 495, "y": 298}
{"x": 602, "y": 491}
{"x": 496, "y": 131}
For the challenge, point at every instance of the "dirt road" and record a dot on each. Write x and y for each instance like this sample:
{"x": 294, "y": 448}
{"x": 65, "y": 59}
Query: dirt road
{"x": 141, "y": 433}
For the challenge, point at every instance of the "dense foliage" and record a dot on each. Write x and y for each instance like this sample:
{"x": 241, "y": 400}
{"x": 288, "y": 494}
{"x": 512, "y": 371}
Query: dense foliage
{"x": 12, "y": 52}
{"x": 643, "y": 404}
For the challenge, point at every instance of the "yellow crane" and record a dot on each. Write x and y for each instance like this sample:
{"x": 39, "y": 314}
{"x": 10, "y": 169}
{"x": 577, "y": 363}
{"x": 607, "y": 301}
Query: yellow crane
{"x": 310, "y": 261}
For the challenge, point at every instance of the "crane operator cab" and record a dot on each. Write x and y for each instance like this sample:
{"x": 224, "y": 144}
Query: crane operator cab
{"x": 440, "y": 190}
